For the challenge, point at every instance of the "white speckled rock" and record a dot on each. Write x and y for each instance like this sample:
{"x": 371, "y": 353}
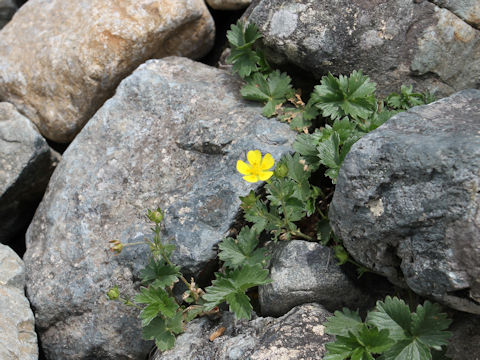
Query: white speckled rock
{"x": 170, "y": 137}
{"x": 228, "y": 4}
{"x": 60, "y": 60}
{"x": 298, "y": 335}
{"x": 407, "y": 200}
{"x": 26, "y": 163}
{"x": 18, "y": 340}
{"x": 394, "y": 42}
{"x": 467, "y": 10}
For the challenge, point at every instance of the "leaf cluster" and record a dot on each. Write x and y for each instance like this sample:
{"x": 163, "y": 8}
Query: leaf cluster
{"x": 290, "y": 197}
{"x": 390, "y": 330}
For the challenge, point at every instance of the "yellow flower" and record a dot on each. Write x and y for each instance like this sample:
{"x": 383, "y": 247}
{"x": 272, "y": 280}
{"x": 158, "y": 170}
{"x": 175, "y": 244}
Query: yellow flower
{"x": 258, "y": 168}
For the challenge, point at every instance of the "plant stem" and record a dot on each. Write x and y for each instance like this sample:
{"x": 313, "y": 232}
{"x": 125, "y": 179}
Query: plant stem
{"x": 302, "y": 235}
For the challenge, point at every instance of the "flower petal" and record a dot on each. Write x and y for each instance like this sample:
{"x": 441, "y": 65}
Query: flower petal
{"x": 251, "y": 178}
{"x": 243, "y": 168}
{"x": 267, "y": 162}
{"x": 254, "y": 157}
{"x": 265, "y": 175}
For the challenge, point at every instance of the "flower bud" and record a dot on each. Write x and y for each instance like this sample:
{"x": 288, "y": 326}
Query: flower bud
{"x": 113, "y": 293}
{"x": 281, "y": 170}
{"x": 155, "y": 216}
{"x": 116, "y": 247}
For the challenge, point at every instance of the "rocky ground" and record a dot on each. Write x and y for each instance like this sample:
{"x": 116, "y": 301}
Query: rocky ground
{"x": 113, "y": 107}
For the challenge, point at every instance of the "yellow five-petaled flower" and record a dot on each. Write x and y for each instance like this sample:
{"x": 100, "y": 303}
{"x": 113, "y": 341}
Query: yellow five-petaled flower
{"x": 258, "y": 169}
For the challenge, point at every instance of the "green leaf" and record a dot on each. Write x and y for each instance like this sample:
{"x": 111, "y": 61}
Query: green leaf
{"x": 407, "y": 350}
{"x": 406, "y": 99}
{"x": 160, "y": 274}
{"x": 360, "y": 345}
{"x": 272, "y": 90}
{"x": 244, "y": 61}
{"x": 394, "y": 315}
{"x": 352, "y": 96}
{"x": 158, "y": 301}
{"x": 343, "y": 322}
{"x": 429, "y": 323}
{"x": 324, "y": 231}
{"x": 231, "y": 286}
{"x": 329, "y": 154}
{"x": 157, "y": 330}
{"x": 241, "y": 251}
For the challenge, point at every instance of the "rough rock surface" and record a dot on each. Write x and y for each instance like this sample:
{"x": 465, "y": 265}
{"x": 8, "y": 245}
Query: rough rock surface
{"x": 170, "y": 137}
{"x": 395, "y": 42}
{"x": 228, "y": 4}
{"x": 467, "y": 10}
{"x": 26, "y": 164}
{"x": 407, "y": 201}
{"x": 18, "y": 340}
{"x": 299, "y": 334}
{"x": 7, "y": 9}
{"x": 304, "y": 272}
{"x": 60, "y": 60}
{"x": 465, "y": 341}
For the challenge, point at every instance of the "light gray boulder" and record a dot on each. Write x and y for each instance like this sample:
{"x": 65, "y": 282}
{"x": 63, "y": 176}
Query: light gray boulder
{"x": 26, "y": 164}
{"x": 304, "y": 272}
{"x": 18, "y": 340}
{"x": 407, "y": 201}
{"x": 170, "y": 137}
{"x": 298, "y": 335}
{"x": 394, "y": 42}
{"x": 467, "y": 10}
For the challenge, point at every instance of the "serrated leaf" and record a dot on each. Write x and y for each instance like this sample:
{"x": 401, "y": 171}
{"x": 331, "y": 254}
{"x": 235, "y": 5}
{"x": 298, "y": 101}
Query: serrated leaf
{"x": 359, "y": 345}
{"x": 157, "y": 330}
{"x": 429, "y": 323}
{"x": 231, "y": 286}
{"x": 352, "y": 96}
{"x": 407, "y": 350}
{"x": 160, "y": 274}
{"x": 241, "y": 251}
{"x": 324, "y": 231}
{"x": 239, "y": 304}
{"x": 272, "y": 90}
{"x": 394, "y": 315}
{"x": 343, "y": 322}
{"x": 244, "y": 61}
{"x": 175, "y": 323}
{"x": 240, "y": 38}
{"x": 157, "y": 300}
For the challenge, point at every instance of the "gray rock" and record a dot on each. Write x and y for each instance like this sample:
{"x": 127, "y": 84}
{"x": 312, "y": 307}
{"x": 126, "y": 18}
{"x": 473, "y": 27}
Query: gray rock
{"x": 7, "y": 9}
{"x": 26, "y": 164}
{"x": 467, "y": 10}
{"x": 304, "y": 272}
{"x": 18, "y": 340}
{"x": 465, "y": 341}
{"x": 61, "y": 60}
{"x": 407, "y": 201}
{"x": 170, "y": 137}
{"x": 299, "y": 334}
{"x": 394, "y": 42}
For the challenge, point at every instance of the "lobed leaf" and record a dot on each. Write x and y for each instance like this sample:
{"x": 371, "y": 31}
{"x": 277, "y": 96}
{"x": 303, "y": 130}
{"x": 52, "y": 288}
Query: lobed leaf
{"x": 241, "y": 251}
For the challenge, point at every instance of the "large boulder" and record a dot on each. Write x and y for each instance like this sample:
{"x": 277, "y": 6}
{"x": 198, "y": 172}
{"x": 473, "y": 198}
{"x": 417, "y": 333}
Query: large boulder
{"x": 395, "y": 42}
{"x": 60, "y": 60}
{"x": 170, "y": 137}
{"x": 305, "y": 272}
{"x": 298, "y": 335}
{"x": 407, "y": 201}
{"x": 26, "y": 164}
{"x": 18, "y": 340}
